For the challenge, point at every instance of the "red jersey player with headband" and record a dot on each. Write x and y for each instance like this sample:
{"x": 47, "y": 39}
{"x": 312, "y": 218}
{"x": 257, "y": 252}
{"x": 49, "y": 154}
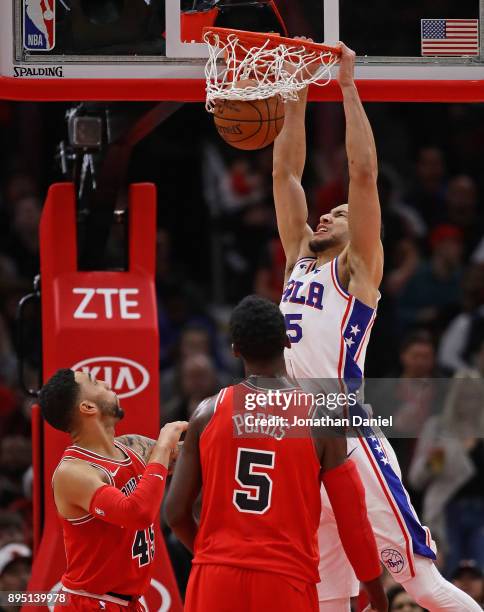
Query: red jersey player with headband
{"x": 256, "y": 546}
{"x": 107, "y": 491}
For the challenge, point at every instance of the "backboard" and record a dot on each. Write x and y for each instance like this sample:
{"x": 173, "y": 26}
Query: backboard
{"x": 415, "y": 50}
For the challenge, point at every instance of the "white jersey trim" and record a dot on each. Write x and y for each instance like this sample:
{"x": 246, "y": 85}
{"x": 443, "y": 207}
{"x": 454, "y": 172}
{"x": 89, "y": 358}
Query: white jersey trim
{"x": 220, "y": 398}
{"x": 80, "y": 521}
{"x": 92, "y": 455}
{"x": 105, "y": 597}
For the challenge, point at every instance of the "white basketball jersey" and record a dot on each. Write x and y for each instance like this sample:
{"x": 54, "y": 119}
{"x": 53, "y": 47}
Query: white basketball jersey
{"x": 329, "y": 331}
{"x": 328, "y": 328}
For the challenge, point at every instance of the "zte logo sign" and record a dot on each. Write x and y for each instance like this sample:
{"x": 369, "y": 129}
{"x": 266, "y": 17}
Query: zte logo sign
{"x": 125, "y": 376}
{"x": 106, "y": 303}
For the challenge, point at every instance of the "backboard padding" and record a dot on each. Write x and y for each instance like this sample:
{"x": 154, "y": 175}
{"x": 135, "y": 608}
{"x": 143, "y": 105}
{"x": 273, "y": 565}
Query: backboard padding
{"x": 387, "y": 37}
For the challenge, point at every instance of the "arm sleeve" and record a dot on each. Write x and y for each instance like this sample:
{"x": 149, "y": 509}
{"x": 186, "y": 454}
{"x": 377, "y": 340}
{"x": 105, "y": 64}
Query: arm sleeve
{"x": 136, "y": 511}
{"x": 347, "y": 496}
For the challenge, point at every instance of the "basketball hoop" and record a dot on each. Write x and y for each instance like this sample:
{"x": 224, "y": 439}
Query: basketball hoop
{"x": 269, "y": 64}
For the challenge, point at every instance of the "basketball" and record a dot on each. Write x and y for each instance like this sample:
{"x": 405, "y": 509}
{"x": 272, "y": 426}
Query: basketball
{"x": 249, "y": 125}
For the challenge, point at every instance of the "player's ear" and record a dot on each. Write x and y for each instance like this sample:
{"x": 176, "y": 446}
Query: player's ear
{"x": 235, "y": 350}
{"x": 87, "y": 408}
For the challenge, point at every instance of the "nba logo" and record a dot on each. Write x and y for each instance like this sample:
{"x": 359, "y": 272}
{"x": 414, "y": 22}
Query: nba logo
{"x": 39, "y": 25}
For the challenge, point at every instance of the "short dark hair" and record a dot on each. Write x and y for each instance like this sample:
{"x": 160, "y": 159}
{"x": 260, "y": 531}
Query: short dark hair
{"x": 58, "y": 399}
{"x": 419, "y": 336}
{"x": 257, "y": 329}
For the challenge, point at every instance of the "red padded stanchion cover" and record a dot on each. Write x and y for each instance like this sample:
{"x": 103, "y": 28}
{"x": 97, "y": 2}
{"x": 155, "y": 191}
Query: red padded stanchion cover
{"x": 105, "y": 323}
{"x": 37, "y": 462}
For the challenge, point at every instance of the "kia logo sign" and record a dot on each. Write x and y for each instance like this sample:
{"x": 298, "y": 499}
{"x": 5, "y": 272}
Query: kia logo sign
{"x": 125, "y": 376}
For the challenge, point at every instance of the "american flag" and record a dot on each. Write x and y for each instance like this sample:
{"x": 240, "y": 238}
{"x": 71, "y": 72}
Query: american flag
{"x": 450, "y": 37}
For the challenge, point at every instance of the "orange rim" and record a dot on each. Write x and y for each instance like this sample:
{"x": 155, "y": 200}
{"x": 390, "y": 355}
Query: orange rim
{"x": 260, "y": 38}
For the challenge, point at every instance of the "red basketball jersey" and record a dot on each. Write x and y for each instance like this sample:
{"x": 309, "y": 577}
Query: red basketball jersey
{"x": 102, "y": 557}
{"x": 261, "y": 500}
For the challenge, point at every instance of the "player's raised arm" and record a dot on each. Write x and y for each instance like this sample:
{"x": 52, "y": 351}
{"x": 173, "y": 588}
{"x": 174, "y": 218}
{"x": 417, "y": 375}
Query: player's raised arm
{"x": 288, "y": 167}
{"x": 365, "y": 255}
{"x": 80, "y": 487}
{"x": 186, "y": 484}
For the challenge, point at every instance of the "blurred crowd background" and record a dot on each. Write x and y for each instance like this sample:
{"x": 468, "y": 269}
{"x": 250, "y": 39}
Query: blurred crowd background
{"x": 217, "y": 242}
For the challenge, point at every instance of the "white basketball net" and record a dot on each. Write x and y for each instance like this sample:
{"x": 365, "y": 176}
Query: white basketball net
{"x": 265, "y": 66}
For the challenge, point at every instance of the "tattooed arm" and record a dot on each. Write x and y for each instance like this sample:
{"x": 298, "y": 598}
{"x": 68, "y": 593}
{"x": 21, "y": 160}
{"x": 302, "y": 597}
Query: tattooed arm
{"x": 140, "y": 444}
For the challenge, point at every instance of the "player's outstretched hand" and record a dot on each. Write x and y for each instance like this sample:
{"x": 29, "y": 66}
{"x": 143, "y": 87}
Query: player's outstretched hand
{"x": 166, "y": 446}
{"x": 170, "y": 435}
{"x": 376, "y": 593}
{"x": 346, "y": 75}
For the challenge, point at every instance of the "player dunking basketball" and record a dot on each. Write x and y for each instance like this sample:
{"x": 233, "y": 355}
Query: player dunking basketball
{"x": 108, "y": 492}
{"x": 329, "y": 303}
{"x": 255, "y": 548}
